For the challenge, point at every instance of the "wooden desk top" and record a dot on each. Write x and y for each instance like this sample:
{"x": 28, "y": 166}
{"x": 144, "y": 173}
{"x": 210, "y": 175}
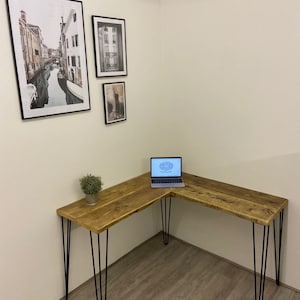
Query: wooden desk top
{"x": 124, "y": 199}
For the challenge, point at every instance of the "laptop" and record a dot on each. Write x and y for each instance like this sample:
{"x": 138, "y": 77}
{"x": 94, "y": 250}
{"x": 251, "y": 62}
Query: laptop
{"x": 166, "y": 172}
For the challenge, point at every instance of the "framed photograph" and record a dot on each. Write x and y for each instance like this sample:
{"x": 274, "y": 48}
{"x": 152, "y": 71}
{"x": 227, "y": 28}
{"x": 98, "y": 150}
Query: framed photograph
{"x": 110, "y": 46}
{"x": 114, "y": 102}
{"x": 48, "y": 43}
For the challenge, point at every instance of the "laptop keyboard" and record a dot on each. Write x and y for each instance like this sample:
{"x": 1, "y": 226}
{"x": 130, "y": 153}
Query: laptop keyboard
{"x": 167, "y": 180}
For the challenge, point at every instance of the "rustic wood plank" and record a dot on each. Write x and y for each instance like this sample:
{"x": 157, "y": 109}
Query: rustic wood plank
{"x": 254, "y": 206}
{"x": 122, "y": 200}
{"x": 230, "y": 189}
{"x": 105, "y": 216}
{"x": 115, "y": 203}
{"x": 106, "y": 196}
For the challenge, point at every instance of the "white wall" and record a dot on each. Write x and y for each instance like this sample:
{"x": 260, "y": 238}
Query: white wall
{"x": 232, "y": 76}
{"x": 42, "y": 159}
{"x": 227, "y": 79}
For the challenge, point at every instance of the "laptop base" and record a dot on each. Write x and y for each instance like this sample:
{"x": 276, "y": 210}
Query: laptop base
{"x": 166, "y": 185}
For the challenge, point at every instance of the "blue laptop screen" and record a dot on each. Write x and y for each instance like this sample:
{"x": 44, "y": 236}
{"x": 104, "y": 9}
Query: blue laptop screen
{"x": 165, "y": 166}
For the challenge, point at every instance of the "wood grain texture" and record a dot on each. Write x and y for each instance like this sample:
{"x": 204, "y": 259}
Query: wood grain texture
{"x": 248, "y": 204}
{"x": 115, "y": 203}
{"x": 122, "y": 200}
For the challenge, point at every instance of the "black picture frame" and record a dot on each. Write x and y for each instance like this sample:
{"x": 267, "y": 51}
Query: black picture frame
{"x": 49, "y": 49}
{"x": 109, "y": 46}
{"x": 114, "y": 98}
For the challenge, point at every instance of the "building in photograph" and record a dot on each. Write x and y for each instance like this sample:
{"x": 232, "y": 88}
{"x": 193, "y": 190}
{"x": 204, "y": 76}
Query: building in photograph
{"x": 110, "y": 43}
{"x": 70, "y": 55}
{"x": 31, "y": 40}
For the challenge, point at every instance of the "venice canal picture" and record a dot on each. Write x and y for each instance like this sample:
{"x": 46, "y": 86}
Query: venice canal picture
{"x": 53, "y": 57}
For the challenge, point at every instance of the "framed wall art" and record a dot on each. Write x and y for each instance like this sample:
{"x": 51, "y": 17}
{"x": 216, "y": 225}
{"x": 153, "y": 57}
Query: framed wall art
{"x": 109, "y": 46}
{"x": 114, "y": 102}
{"x": 48, "y": 43}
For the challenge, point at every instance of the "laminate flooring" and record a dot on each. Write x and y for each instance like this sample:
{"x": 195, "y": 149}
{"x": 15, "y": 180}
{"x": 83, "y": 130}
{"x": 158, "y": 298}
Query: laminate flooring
{"x": 178, "y": 271}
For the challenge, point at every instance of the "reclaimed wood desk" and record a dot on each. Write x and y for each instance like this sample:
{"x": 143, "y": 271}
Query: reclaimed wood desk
{"x": 131, "y": 196}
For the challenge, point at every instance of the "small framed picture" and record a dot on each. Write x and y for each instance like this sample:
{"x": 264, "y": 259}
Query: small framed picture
{"x": 109, "y": 46}
{"x": 114, "y": 102}
{"x": 48, "y": 42}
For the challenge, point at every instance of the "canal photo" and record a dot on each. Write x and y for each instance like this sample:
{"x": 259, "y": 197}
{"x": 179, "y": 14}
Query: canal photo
{"x": 50, "y": 56}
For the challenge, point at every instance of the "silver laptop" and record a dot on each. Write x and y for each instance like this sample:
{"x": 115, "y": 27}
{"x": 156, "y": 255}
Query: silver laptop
{"x": 166, "y": 172}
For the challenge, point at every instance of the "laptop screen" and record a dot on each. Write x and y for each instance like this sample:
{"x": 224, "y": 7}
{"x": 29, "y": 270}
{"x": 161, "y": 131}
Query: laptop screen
{"x": 165, "y": 166}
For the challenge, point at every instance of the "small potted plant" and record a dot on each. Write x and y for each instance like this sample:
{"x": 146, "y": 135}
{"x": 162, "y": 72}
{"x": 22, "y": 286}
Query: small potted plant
{"x": 91, "y": 185}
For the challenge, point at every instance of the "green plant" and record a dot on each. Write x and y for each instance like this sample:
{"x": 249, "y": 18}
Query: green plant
{"x": 90, "y": 184}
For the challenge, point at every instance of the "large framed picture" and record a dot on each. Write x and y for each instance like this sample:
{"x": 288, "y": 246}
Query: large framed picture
{"x": 109, "y": 46}
{"x": 114, "y": 102}
{"x": 50, "y": 56}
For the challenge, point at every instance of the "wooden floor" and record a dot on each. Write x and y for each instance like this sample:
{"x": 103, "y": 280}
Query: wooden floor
{"x": 154, "y": 271}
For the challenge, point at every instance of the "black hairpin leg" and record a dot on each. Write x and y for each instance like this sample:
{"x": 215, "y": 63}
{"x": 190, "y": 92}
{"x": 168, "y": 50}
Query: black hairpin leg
{"x": 66, "y": 236}
{"x": 165, "y": 207}
{"x": 277, "y": 244}
{"x": 101, "y": 294}
{"x": 264, "y": 256}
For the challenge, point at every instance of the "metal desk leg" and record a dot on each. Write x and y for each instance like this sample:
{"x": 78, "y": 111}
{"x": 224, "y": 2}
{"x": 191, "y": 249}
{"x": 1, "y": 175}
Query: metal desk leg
{"x": 277, "y": 244}
{"x": 165, "y": 207}
{"x": 66, "y": 251}
{"x": 102, "y": 294}
{"x": 277, "y": 230}
{"x": 264, "y": 256}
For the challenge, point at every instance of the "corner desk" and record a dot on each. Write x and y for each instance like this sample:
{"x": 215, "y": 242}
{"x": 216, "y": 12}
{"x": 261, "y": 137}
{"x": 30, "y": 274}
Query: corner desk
{"x": 124, "y": 199}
